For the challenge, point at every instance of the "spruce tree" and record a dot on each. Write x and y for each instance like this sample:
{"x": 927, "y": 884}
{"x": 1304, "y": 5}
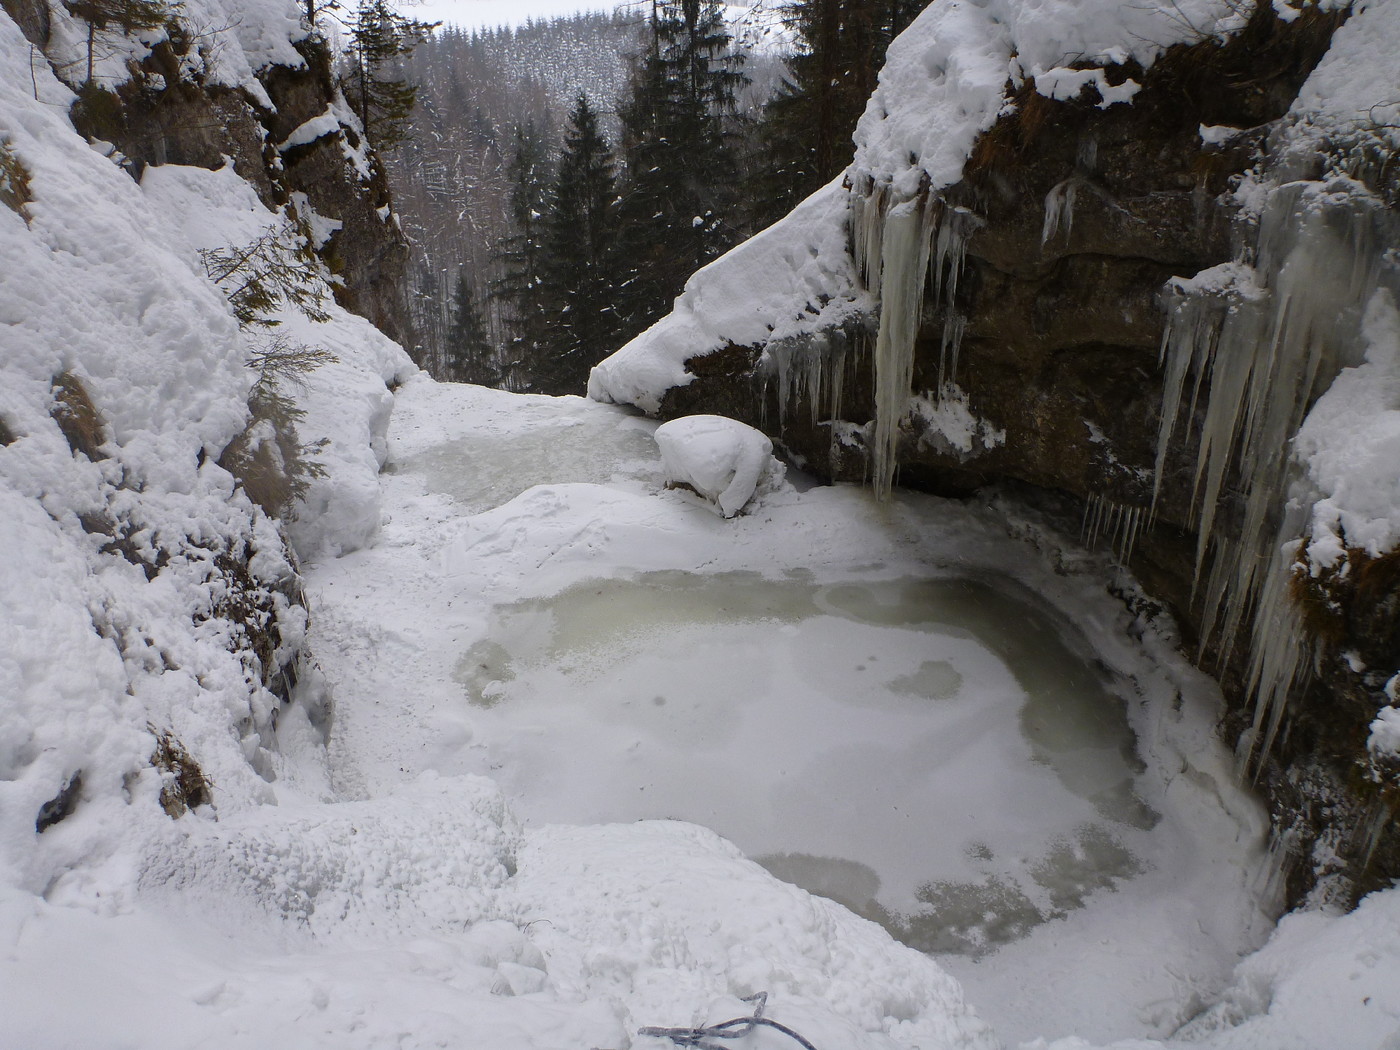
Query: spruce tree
{"x": 580, "y": 282}
{"x": 379, "y": 38}
{"x": 521, "y": 259}
{"x": 468, "y": 356}
{"x": 806, "y": 129}
{"x": 678, "y": 204}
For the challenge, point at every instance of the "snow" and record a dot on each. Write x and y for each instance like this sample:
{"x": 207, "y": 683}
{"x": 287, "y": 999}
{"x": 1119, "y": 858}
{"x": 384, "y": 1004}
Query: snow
{"x": 384, "y": 863}
{"x": 1347, "y": 89}
{"x": 792, "y": 278}
{"x": 947, "y": 422}
{"x": 317, "y": 127}
{"x": 1385, "y": 733}
{"x": 234, "y": 40}
{"x": 1350, "y": 445}
{"x": 721, "y": 459}
{"x": 1218, "y": 134}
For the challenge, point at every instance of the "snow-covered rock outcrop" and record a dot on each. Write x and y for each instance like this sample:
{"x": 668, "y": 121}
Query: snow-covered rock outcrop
{"x": 723, "y": 460}
{"x": 151, "y": 620}
{"x": 1136, "y": 244}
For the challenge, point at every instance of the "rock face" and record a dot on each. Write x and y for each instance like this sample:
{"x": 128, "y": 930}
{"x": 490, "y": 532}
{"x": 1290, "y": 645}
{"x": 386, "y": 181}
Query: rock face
{"x": 168, "y": 110}
{"x": 1039, "y": 363}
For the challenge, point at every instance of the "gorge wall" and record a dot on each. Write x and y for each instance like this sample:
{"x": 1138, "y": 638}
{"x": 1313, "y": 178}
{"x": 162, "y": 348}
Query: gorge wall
{"x": 1059, "y": 347}
{"x": 188, "y": 406}
{"x": 285, "y": 128}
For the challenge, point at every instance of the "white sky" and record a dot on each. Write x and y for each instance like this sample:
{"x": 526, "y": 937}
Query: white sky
{"x": 483, "y": 13}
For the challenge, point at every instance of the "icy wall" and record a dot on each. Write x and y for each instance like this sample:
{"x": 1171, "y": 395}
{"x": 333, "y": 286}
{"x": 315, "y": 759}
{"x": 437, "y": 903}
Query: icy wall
{"x": 1117, "y": 253}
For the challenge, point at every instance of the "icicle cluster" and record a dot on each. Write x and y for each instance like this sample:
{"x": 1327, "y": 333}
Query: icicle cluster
{"x": 896, "y": 244}
{"x": 1117, "y": 524}
{"x": 1248, "y": 347}
{"x": 811, "y": 368}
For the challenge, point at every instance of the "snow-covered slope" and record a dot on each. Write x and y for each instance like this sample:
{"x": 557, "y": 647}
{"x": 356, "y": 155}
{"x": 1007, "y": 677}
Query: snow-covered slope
{"x": 150, "y": 609}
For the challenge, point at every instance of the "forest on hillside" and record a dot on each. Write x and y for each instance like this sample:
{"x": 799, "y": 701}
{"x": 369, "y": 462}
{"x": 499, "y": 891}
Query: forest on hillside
{"x": 559, "y": 181}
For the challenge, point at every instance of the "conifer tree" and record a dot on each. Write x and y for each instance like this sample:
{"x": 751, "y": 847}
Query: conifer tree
{"x": 677, "y": 206}
{"x": 128, "y": 15}
{"x": 379, "y": 38}
{"x": 580, "y": 282}
{"x": 806, "y": 130}
{"x": 521, "y": 258}
{"x": 468, "y": 356}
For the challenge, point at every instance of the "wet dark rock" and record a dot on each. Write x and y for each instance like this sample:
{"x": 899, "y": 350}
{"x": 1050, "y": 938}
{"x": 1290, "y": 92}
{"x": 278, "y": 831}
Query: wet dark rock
{"x": 32, "y": 17}
{"x": 77, "y": 417}
{"x": 61, "y": 806}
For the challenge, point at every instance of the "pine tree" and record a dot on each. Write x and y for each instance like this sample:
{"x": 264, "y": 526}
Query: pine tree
{"x": 680, "y": 196}
{"x": 468, "y": 356}
{"x": 521, "y": 258}
{"x": 379, "y": 38}
{"x": 580, "y": 283}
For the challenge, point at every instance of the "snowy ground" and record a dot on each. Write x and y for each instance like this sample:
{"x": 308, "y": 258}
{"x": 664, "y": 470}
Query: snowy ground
{"x": 858, "y": 695}
{"x": 532, "y": 592}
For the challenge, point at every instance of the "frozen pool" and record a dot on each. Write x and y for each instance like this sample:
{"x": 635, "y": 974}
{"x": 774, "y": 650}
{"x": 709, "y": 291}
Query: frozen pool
{"x": 905, "y": 706}
{"x": 939, "y": 754}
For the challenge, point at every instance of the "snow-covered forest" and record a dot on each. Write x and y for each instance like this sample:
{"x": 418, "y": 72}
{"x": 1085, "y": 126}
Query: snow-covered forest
{"x": 500, "y": 275}
{"x": 963, "y": 612}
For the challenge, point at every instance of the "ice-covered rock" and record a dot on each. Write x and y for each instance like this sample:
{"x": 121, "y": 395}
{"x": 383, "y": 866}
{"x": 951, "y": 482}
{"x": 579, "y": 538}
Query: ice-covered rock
{"x": 722, "y": 459}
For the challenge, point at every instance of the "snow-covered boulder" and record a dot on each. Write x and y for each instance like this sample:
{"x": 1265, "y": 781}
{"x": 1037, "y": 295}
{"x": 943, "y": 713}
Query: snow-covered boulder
{"x": 723, "y": 460}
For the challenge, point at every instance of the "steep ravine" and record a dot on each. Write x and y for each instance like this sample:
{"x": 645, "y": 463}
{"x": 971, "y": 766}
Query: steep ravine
{"x": 1074, "y": 216}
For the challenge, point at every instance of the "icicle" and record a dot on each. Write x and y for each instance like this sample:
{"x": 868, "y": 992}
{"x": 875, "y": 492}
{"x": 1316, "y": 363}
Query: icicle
{"x": 808, "y": 368}
{"x": 897, "y": 245}
{"x": 868, "y": 204}
{"x": 955, "y": 226}
{"x": 1085, "y": 526}
{"x": 1372, "y": 828}
{"x": 1087, "y": 155}
{"x": 1059, "y": 209}
{"x": 904, "y": 263}
{"x": 1262, "y": 342}
{"x": 1119, "y": 524}
{"x": 954, "y": 325}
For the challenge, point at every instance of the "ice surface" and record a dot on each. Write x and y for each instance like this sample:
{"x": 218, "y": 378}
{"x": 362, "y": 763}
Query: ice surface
{"x": 536, "y": 637}
{"x": 484, "y": 470}
{"x": 815, "y": 684}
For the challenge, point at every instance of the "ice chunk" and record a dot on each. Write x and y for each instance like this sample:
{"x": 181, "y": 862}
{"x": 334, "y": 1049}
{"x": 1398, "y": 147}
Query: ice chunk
{"x": 721, "y": 459}
{"x": 1385, "y": 732}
